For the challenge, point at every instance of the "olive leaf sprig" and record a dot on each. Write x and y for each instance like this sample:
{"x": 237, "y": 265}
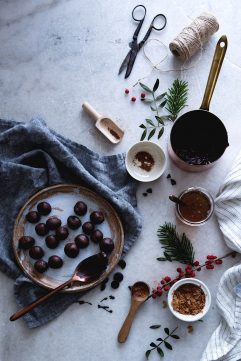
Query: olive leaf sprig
{"x": 156, "y": 346}
{"x": 154, "y": 102}
{"x": 174, "y": 99}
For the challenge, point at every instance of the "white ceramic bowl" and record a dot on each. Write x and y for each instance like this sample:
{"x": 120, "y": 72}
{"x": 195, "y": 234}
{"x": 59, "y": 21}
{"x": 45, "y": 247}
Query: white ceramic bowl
{"x": 190, "y": 318}
{"x": 159, "y": 161}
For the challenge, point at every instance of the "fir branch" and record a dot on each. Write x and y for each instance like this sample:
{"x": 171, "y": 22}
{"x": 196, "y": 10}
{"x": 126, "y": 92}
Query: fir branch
{"x": 176, "y": 247}
{"x": 176, "y": 98}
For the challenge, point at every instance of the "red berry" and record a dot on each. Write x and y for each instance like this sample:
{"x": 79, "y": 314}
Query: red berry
{"x": 193, "y": 274}
{"x": 153, "y": 295}
{"x": 179, "y": 270}
{"x": 208, "y": 262}
{"x": 211, "y": 257}
{"x": 159, "y": 291}
{"x": 174, "y": 281}
{"x": 188, "y": 271}
{"x": 189, "y": 266}
{"x": 133, "y": 99}
{"x": 210, "y": 266}
{"x": 127, "y": 91}
{"x": 167, "y": 278}
{"x": 196, "y": 263}
{"x": 143, "y": 95}
{"x": 162, "y": 282}
{"x": 218, "y": 261}
{"x": 166, "y": 288}
{"x": 198, "y": 269}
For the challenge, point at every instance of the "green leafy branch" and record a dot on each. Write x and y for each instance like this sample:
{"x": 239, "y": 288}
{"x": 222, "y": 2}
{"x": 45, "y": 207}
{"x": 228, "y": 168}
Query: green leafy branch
{"x": 176, "y": 247}
{"x": 156, "y": 346}
{"x": 174, "y": 99}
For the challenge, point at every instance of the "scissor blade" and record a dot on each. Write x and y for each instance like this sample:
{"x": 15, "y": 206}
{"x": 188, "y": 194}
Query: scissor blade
{"x": 125, "y": 62}
{"x": 131, "y": 62}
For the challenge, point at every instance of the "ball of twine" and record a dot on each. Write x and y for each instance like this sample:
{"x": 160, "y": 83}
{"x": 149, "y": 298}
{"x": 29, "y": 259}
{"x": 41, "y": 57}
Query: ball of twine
{"x": 192, "y": 37}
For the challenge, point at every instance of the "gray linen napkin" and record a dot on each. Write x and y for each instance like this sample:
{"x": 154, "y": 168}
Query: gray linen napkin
{"x": 33, "y": 157}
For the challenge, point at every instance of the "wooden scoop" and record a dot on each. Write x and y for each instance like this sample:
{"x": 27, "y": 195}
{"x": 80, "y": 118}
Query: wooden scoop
{"x": 106, "y": 125}
{"x": 139, "y": 294}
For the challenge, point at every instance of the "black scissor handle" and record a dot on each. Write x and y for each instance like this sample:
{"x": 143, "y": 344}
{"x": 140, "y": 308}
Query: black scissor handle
{"x": 164, "y": 22}
{"x": 133, "y": 13}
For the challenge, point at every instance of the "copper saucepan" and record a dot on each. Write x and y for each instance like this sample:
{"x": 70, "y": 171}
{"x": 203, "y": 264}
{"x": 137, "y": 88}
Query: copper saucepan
{"x": 199, "y": 138}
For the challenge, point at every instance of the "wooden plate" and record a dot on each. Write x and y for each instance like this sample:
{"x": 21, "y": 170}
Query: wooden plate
{"x": 62, "y": 199}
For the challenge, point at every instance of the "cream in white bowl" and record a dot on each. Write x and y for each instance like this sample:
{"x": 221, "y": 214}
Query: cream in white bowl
{"x": 185, "y": 317}
{"x": 134, "y": 168}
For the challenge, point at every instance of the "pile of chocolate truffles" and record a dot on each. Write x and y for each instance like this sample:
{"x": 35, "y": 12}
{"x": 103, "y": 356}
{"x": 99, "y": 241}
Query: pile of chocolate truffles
{"x": 60, "y": 233}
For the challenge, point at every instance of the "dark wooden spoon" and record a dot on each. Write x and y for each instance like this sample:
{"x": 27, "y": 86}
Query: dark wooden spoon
{"x": 177, "y": 200}
{"x": 86, "y": 271}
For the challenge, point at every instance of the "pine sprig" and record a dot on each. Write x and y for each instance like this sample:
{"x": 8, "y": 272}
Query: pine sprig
{"x": 176, "y": 98}
{"x": 156, "y": 346}
{"x": 176, "y": 247}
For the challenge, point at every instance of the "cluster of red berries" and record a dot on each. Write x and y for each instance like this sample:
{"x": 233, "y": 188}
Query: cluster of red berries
{"x": 211, "y": 261}
{"x": 133, "y": 99}
{"x": 189, "y": 271}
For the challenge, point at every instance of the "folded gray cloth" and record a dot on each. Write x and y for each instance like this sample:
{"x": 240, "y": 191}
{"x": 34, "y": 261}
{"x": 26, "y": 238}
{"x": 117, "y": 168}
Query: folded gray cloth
{"x": 33, "y": 157}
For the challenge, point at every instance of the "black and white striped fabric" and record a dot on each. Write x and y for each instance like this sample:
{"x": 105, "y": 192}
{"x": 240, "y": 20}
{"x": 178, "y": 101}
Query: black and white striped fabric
{"x": 225, "y": 343}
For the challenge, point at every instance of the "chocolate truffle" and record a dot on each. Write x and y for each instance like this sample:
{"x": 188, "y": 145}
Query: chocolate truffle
{"x": 96, "y": 236}
{"x": 41, "y": 229}
{"x": 44, "y": 208}
{"x": 62, "y": 233}
{"x": 41, "y": 266}
{"x": 81, "y": 241}
{"x": 115, "y": 284}
{"x": 88, "y": 227}
{"x": 71, "y": 250}
{"x": 51, "y": 241}
{"x": 33, "y": 217}
{"x": 55, "y": 262}
{"x": 97, "y": 217}
{"x": 106, "y": 245}
{"x": 36, "y": 252}
{"x": 118, "y": 277}
{"x": 80, "y": 208}
{"x": 53, "y": 223}
{"x": 26, "y": 242}
{"x": 73, "y": 222}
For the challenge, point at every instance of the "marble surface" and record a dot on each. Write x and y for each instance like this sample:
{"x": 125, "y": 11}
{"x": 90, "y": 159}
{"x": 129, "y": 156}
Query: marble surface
{"x": 54, "y": 56}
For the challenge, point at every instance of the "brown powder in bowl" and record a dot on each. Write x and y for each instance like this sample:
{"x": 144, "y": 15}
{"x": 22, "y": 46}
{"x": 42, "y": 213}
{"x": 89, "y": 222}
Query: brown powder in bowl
{"x": 188, "y": 299}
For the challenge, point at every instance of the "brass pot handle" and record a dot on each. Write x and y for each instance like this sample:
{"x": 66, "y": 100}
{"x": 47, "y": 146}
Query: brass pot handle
{"x": 218, "y": 57}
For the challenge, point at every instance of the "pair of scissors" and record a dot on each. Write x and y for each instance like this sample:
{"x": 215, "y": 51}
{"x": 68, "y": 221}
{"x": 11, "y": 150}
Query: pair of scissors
{"x": 130, "y": 58}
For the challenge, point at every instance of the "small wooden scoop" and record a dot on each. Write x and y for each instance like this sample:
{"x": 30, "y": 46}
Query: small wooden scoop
{"x": 139, "y": 294}
{"x": 106, "y": 125}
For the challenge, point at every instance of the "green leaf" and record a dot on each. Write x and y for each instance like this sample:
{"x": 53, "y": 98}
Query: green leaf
{"x": 167, "y": 344}
{"x": 159, "y": 339}
{"x": 145, "y": 87}
{"x": 177, "y": 97}
{"x": 175, "y": 336}
{"x": 152, "y": 132}
{"x": 161, "y": 259}
{"x": 152, "y": 344}
{"x": 147, "y": 353}
{"x": 155, "y": 326}
{"x": 143, "y": 134}
{"x": 159, "y": 119}
{"x": 160, "y": 97}
{"x": 159, "y": 350}
{"x": 156, "y": 85}
{"x": 142, "y": 126}
{"x": 168, "y": 257}
{"x": 147, "y": 100}
{"x": 149, "y": 121}
{"x": 163, "y": 104}
{"x": 153, "y": 108}
{"x": 160, "y": 132}
{"x": 167, "y": 330}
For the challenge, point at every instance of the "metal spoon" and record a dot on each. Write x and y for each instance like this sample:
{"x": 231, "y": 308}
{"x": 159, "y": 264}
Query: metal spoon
{"x": 87, "y": 270}
{"x": 139, "y": 294}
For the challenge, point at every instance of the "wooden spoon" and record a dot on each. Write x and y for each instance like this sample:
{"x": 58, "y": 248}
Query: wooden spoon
{"x": 139, "y": 294}
{"x": 87, "y": 270}
{"x": 177, "y": 200}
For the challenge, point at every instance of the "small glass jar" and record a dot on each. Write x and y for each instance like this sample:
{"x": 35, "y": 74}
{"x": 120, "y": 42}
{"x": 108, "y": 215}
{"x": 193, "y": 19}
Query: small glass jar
{"x": 197, "y": 207}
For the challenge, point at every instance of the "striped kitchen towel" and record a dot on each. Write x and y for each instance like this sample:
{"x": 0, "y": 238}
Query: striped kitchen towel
{"x": 225, "y": 343}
